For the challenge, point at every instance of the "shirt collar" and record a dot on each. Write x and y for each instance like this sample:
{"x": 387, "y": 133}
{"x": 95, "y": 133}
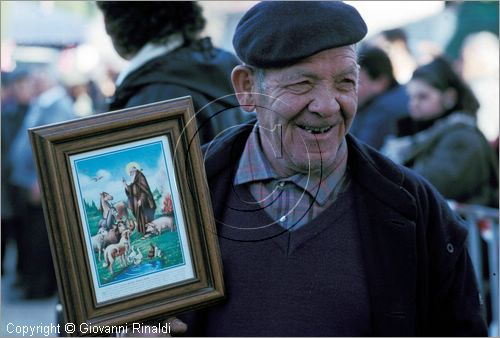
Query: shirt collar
{"x": 254, "y": 167}
{"x": 148, "y": 52}
{"x": 321, "y": 187}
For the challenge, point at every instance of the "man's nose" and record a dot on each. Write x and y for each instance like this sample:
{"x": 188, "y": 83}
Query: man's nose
{"x": 325, "y": 103}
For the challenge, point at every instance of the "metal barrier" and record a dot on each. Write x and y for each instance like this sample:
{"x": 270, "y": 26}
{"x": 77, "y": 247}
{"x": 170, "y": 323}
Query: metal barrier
{"x": 483, "y": 248}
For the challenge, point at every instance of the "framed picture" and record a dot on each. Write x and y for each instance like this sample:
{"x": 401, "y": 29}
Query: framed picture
{"x": 129, "y": 216}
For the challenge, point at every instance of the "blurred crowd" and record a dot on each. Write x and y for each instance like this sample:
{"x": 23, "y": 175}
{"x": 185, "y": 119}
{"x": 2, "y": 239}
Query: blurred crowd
{"x": 419, "y": 112}
{"x": 428, "y": 123}
{"x": 30, "y": 98}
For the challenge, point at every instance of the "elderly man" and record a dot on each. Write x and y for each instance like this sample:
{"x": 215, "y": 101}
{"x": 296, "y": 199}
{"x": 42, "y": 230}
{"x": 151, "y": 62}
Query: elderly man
{"x": 319, "y": 234}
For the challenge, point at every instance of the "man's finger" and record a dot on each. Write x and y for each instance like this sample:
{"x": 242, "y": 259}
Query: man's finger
{"x": 176, "y": 325}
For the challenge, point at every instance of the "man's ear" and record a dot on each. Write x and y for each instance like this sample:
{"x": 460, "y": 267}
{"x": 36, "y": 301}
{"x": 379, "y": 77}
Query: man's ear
{"x": 243, "y": 82}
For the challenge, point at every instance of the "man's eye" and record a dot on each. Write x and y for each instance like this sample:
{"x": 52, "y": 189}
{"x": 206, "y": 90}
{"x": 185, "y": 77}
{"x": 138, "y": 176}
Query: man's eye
{"x": 347, "y": 83}
{"x": 299, "y": 87}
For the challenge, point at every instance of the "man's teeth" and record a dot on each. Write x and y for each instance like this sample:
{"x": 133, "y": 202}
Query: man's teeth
{"x": 316, "y": 130}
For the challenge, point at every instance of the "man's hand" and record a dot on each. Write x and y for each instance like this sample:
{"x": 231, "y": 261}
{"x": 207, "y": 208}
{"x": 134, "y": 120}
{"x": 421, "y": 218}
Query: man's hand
{"x": 175, "y": 325}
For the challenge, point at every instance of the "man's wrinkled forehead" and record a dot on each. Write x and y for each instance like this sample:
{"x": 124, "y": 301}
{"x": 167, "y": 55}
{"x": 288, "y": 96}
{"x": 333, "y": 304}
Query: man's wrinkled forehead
{"x": 275, "y": 34}
{"x": 345, "y": 63}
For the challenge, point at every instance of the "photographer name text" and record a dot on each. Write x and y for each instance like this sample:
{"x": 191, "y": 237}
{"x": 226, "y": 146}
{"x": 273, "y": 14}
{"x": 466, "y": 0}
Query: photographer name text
{"x": 86, "y": 328}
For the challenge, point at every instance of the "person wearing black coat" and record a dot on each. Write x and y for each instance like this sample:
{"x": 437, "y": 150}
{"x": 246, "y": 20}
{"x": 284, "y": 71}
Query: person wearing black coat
{"x": 419, "y": 274}
{"x": 319, "y": 234}
{"x": 169, "y": 60}
{"x": 382, "y": 255}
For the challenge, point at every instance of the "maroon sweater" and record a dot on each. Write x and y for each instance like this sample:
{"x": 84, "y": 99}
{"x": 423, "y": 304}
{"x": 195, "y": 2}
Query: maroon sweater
{"x": 309, "y": 282}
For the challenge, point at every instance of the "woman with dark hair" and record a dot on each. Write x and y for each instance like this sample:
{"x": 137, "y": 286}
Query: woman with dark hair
{"x": 440, "y": 139}
{"x": 168, "y": 59}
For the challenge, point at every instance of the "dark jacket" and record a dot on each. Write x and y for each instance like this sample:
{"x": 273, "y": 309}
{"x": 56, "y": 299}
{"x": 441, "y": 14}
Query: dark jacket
{"x": 419, "y": 273}
{"x": 378, "y": 118}
{"x": 199, "y": 70}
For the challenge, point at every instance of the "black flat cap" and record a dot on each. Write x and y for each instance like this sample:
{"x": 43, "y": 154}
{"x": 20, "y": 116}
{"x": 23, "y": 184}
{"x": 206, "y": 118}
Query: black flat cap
{"x": 280, "y": 33}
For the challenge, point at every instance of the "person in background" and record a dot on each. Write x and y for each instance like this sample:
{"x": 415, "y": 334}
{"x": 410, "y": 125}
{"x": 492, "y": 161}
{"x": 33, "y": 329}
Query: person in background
{"x": 440, "y": 139}
{"x": 495, "y": 146}
{"x": 381, "y": 99}
{"x": 52, "y": 104}
{"x": 471, "y": 17}
{"x": 168, "y": 59}
{"x": 395, "y": 43}
{"x": 19, "y": 85}
{"x": 78, "y": 88}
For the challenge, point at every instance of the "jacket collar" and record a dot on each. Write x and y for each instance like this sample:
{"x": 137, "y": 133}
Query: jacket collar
{"x": 381, "y": 177}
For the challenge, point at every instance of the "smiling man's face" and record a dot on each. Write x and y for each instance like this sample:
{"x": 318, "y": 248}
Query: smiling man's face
{"x": 309, "y": 106}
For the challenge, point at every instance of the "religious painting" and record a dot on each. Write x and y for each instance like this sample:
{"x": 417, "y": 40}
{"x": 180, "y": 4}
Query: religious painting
{"x": 127, "y": 195}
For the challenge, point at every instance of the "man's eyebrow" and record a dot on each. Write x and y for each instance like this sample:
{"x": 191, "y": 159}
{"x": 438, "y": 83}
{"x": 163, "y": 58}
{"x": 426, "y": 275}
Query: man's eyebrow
{"x": 299, "y": 74}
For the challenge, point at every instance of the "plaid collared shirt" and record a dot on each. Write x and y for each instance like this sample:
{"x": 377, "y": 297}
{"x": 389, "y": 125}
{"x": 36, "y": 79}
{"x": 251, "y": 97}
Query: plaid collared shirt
{"x": 291, "y": 201}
